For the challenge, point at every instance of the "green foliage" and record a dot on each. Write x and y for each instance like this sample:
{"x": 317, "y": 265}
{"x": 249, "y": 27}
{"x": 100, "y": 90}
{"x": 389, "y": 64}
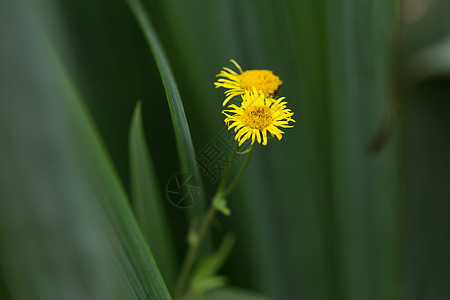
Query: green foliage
{"x": 66, "y": 228}
{"x": 232, "y": 294}
{"x": 147, "y": 202}
{"x": 351, "y": 204}
{"x": 185, "y": 147}
{"x": 204, "y": 277}
{"x": 221, "y": 205}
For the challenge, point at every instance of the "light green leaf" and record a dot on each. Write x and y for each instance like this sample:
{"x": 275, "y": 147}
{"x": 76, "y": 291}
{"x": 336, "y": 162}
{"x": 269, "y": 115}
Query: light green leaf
{"x": 207, "y": 284}
{"x": 204, "y": 277}
{"x": 221, "y": 205}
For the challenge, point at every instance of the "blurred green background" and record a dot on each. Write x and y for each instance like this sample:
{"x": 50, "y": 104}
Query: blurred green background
{"x": 351, "y": 204}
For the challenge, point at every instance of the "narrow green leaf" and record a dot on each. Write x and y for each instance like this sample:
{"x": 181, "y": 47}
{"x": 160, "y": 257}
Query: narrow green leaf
{"x": 147, "y": 202}
{"x": 185, "y": 147}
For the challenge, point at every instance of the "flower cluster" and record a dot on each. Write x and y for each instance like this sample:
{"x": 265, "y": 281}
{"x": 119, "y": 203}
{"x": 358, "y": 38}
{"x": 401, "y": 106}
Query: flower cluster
{"x": 259, "y": 112}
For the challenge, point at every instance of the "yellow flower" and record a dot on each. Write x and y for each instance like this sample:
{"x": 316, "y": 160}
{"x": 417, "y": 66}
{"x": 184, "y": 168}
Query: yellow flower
{"x": 256, "y": 116}
{"x": 238, "y": 84}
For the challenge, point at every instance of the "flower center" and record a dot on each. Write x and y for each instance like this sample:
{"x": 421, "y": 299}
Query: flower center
{"x": 258, "y": 117}
{"x": 262, "y": 80}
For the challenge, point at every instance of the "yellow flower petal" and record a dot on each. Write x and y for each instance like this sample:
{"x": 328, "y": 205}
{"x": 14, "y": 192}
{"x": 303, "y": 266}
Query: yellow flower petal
{"x": 256, "y": 116}
{"x": 247, "y": 81}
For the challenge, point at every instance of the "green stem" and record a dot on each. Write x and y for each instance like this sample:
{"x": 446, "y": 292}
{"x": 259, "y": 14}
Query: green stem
{"x": 241, "y": 172}
{"x": 194, "y": 247}
{"x": 224, "y": 178}
{"x": 191, "y": 255}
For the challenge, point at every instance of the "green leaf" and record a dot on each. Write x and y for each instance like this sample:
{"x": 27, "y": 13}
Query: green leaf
{"x": 66, "y": 228}
{"x": 185, "y": 147}
{"x": 147, "y": 202}
{"x": 206, "y": 284}
{"x": 204, "y": 277}
{"x": 221, "y": 205}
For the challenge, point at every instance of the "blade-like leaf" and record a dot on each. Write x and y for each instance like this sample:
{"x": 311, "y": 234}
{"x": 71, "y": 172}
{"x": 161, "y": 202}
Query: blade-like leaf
{"x": 147, "y": 202}
{"x": 66, "y": 229}
{"x": 186, "y": 151}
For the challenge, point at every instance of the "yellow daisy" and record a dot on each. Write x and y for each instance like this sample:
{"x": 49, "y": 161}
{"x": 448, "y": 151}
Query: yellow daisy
{"x": 256, "y": 116}
{"x": 237, "y": 84}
